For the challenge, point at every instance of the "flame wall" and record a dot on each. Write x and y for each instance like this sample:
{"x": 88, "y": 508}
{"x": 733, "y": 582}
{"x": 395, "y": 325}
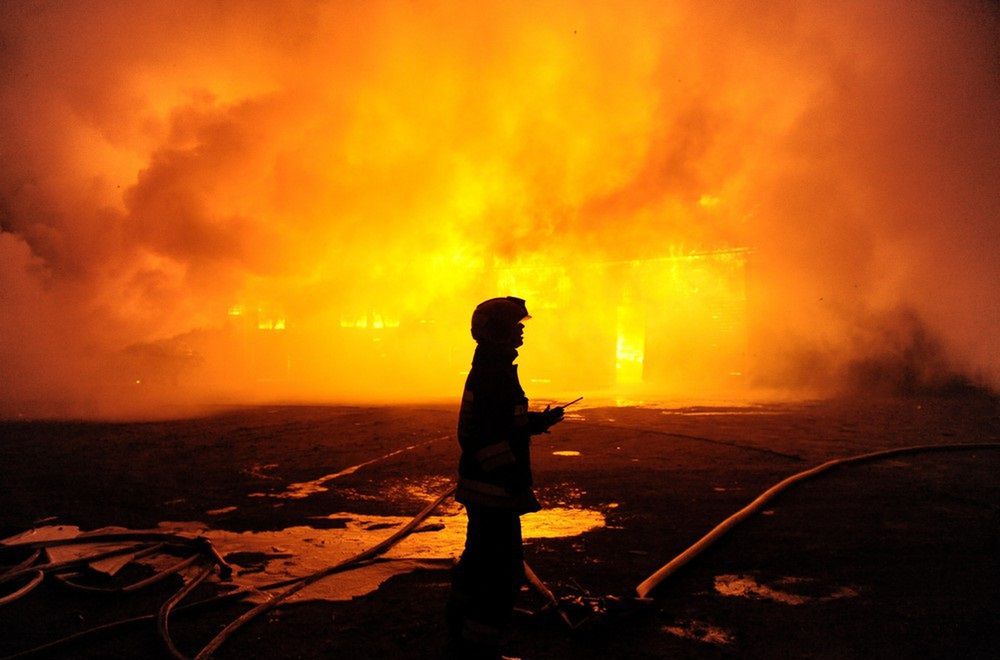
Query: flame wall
{"x": 178, "y": 179}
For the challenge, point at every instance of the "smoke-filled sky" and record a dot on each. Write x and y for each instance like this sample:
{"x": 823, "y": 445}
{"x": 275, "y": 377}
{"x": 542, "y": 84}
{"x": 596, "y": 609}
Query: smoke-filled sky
{"x": 167, "y": 165}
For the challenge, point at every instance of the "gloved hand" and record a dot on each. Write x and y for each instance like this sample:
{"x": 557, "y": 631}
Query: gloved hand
{"x": 552, "y": 416}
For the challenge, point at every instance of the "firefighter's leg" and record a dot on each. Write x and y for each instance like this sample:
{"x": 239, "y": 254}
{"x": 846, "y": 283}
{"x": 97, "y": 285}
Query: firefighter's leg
{"x": 482, "y": 591}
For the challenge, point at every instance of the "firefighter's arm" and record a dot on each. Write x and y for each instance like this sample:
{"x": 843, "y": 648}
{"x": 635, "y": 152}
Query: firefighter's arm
{"x": 541, "y": 422}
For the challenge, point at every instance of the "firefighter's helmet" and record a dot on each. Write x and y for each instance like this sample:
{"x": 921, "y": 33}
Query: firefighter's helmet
{"x": 496, "y": 318}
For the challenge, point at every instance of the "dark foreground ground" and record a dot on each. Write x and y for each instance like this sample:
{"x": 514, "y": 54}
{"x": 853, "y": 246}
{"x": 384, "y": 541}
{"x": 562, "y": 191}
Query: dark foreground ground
{"x": 891, "y": 559}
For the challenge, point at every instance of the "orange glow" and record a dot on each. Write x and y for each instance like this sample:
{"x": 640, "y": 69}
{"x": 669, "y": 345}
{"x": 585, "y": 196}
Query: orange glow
{"x": 630, "y": 346}
{"x": 306, "y": 201}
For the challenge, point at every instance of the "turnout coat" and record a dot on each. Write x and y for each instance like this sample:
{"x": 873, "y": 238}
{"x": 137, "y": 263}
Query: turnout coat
{"x": 494, "y": 431}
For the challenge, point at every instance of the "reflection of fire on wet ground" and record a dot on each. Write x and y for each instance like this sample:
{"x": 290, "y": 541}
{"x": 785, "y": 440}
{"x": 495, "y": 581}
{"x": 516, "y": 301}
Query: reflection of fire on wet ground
{"x": 700, "y": 631}
{"x": 260, "y": 558}
{"x": 783, "y": 591}
{"x": 786, "y": 590}
{"x": 297, "y": 551}
{"x": 307, "y": 488}
{"x": 301, "y": 550}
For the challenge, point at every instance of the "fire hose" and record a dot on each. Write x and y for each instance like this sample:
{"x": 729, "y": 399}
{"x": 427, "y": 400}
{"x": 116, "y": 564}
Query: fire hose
{"x": 305, "y": 582}
{"x": 162, "y": 617}
{"x": 155, "y": 543}
{"x": 207, "y": 554}
{"x": 649, "y": 584}
{"x": 235, "y": 594}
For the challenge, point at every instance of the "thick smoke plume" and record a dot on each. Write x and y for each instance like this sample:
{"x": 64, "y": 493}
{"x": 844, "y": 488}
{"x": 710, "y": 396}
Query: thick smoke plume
{"x": 203, "y": 201}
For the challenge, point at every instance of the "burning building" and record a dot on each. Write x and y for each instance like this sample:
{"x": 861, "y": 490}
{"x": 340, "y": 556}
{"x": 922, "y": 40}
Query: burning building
{"x": 673, "y": 325}
{"x": 353, "y": 178}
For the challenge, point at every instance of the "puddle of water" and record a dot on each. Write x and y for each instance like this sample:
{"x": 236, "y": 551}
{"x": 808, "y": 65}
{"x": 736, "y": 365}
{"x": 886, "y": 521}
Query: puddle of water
{"x": 307, "y": 488}
{"x": 264, "y": 557}
{"x": 566, "y": 452}
{"x": 745, "y": 586}
{"x": 720, "y": 413}
{"x": 260, "y": 558}
{"x": 557, "y": 522}
{"x": 304, "y": 550}
{"x": 426, "y": 490}
{"x": 109, "y": 566}
{"x": 739, "y": 410}
{"x": 843, "y": 592}
{"x": 258, "y": 471}
{"x": 700, "y": 631}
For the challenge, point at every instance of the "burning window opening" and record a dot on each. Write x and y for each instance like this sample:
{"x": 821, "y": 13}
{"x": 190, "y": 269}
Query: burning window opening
{"x": 370, "y": 320}
{"x": 656, "y": 327}
{"x": 664, "y": 324}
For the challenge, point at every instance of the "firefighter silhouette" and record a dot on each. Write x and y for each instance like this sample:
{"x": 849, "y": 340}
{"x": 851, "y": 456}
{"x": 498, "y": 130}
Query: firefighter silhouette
{"x": 495, "y": 482}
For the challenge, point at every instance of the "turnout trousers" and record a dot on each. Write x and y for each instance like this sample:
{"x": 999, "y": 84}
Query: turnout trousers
{"x": 485, "y": 582}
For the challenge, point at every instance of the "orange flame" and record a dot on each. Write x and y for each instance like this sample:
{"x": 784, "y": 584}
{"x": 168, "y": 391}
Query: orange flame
{"x": 307, "y": 201}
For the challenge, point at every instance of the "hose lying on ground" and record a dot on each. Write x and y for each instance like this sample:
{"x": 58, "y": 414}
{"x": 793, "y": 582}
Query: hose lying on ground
{"x": 235, "y": 594}
{"x": 293, "y": 585}
{"x": 546, "y": 593}
{"x": 369, "y": 556}
{"x": 200, "y": 545}
{"x": 35, "y": 579}
{"x": 372, "y": 552}
{"x": 68, "y": 565}
{"x": 155, "y": 542}
{"x": 163, "y": 616}
{"x": 671, "y": 567}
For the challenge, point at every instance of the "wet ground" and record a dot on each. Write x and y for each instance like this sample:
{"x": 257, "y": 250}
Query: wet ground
{"x": 894, "y": 558}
